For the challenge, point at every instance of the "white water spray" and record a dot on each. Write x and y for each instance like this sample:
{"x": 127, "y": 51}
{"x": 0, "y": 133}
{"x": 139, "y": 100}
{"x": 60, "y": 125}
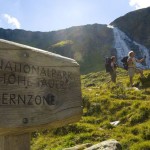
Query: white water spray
{"x": 122, "y": 48}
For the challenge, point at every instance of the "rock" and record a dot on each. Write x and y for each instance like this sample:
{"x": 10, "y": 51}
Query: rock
{"x": 106, "y": 145}
{"x": 115, "y": 123}
{"x": 79, "y": 147}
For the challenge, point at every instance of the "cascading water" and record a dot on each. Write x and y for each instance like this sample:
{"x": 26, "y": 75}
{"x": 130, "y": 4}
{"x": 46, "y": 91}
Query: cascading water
{"x": 145, "y": 52}
{"x": 123, "y": 44}
{"x": 120, "y": 45}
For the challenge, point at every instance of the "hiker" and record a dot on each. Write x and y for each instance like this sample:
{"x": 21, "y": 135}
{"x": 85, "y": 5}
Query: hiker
{"x": 132, "y": 69}
{"x": 113, "y": 69}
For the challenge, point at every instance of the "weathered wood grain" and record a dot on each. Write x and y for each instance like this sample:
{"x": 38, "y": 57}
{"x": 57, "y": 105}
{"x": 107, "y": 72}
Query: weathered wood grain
{"x": 15, "y": 142}
{"x": 38, "y": 89}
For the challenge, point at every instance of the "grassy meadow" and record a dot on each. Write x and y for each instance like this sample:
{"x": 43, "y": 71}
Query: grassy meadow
{"x": 103, "y": 104}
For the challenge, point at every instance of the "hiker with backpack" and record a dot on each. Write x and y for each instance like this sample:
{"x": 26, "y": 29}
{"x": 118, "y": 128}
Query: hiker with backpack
{"x": 132, "y": 69}
{"x": 111, "y": 66}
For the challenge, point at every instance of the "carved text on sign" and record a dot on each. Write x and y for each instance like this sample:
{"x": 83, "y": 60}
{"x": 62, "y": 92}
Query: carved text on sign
{"x": 13, "y": 99}
{"x": 33, "y": 69}
{"x": 32, "y": 80}
{"x": 23, "y": 74}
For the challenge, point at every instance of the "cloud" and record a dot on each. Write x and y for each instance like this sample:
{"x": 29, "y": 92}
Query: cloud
{"x": 138, "y": 4}
{"x": 11, "y": 21}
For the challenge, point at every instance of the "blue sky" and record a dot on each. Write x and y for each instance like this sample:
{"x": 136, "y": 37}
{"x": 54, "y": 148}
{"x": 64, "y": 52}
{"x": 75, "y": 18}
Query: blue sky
{"x": 51, "y": 15}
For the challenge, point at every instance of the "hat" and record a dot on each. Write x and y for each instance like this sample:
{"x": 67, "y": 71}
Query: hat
{"x": 129, "y": 54}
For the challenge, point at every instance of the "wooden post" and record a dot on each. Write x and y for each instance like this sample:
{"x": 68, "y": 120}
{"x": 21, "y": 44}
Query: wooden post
{"x": 38, "y": 90}
{"x": 15, "y": 142}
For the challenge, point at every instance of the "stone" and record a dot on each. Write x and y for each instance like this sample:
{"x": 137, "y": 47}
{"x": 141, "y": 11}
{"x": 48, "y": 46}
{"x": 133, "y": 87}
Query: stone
{"x": 106, "y": 145}
{"x": 79, "y": 147}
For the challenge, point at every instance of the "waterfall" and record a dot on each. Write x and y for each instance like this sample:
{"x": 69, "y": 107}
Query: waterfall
{"x": 120, "y": 44}
{"x": 145, "y": 52}
{"x": 123, "y": 44}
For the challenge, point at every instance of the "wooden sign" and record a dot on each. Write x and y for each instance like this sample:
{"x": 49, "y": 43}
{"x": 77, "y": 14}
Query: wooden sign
{"x": 38, "y": 89}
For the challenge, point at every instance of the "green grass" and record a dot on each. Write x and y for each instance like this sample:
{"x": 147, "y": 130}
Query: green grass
{"x": 105, "y": 102}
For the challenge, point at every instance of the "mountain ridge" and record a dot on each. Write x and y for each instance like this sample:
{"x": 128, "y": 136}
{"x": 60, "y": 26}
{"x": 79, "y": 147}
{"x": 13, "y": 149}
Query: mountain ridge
{"x": 89, "y": 44}
{"x": 86, "y": 43}
{"x": 136, "y": 25}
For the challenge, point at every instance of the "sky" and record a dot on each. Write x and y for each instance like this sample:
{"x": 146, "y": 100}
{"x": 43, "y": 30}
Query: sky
{"x": 52, "y": 15}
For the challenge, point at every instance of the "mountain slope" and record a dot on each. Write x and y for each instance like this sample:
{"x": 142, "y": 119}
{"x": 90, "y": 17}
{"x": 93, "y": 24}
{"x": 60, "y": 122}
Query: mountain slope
{"x": 105, "y": 103}
{"x": 136, "y": 25}
{"x": 87, "y": 44}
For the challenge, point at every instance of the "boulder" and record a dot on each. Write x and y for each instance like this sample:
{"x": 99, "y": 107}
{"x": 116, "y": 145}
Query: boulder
{"x": 106, "y": 145}
{"x": 79, "y": 147}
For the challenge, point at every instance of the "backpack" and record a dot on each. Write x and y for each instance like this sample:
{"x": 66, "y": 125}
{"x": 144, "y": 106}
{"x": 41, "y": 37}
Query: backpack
{"x": 108, "y": 64}
{"x": 125, "y": 62}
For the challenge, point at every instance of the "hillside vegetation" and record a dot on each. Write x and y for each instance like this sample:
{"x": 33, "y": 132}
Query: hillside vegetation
{"x": 104, "y": 103}
{"x": 87, "y": 44}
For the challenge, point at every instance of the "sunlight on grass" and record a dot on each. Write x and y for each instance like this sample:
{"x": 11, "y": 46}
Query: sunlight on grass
{"x": 105, "y": 102}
